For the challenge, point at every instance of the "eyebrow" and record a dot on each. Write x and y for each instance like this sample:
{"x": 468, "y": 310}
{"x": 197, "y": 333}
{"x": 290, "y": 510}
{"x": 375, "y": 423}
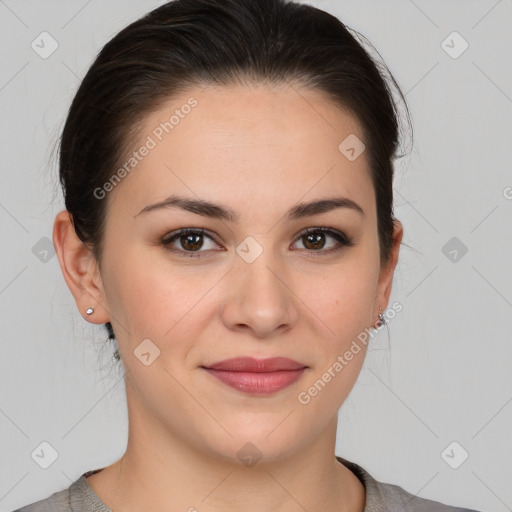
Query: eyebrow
{"x": 218, "y": 211}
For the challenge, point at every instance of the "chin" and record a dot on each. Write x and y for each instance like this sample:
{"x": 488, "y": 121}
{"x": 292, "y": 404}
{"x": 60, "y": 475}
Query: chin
{"x": 255, "y": 443}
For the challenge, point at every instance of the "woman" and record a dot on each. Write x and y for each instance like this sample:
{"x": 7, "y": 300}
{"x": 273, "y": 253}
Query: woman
{"x": 227, "y": 174}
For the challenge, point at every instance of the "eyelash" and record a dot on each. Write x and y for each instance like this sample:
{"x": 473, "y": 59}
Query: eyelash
{"x": 341, "y": 238}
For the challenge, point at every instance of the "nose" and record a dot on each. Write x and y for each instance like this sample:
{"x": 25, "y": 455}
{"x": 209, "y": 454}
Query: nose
{"x": 259, "y": 298}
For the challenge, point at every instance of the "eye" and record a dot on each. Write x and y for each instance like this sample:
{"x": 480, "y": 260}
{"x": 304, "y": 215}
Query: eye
{"x": 190, "y": 240}
{"x": 314, "y": 240}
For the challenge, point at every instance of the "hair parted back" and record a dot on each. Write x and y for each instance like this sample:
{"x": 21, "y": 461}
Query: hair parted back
{"x": 188, "y": 43}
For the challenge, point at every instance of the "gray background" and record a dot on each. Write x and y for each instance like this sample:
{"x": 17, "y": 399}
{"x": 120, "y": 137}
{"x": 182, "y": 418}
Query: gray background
{"x": 443, "y": 372}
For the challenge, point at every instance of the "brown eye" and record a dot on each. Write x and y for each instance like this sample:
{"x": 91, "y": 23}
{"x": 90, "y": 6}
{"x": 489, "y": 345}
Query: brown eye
{"x": 315, "y": 239}
{"x": 191, "y": 242}
{"x": 188, "y": 241}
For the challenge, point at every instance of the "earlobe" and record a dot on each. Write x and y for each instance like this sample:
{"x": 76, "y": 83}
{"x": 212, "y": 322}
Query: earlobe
{"x": 79, "y": 269}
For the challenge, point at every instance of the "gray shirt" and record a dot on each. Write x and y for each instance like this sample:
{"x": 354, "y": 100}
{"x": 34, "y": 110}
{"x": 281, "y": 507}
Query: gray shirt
{"x": 380, "y": 497}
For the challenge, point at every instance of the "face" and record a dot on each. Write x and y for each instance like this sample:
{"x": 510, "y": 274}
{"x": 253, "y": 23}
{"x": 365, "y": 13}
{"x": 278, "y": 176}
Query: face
{"x": 261, "y": 281}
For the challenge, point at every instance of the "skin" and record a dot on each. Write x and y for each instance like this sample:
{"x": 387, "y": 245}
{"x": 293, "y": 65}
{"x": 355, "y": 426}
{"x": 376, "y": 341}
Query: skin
{"x": 258, "y": 150}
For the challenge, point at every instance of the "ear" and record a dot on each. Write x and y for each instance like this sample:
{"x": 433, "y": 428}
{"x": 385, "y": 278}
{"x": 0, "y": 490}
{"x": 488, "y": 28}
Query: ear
{"x": 80, "y": 269}
{"x": 387, "y": 272}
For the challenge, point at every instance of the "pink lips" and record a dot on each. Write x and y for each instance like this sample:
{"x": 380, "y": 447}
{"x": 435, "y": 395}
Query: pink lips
{"x": 257, "y": 376}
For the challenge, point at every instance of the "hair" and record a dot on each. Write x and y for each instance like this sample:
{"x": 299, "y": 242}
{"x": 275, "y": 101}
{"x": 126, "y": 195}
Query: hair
{"x": 189, "y": 43}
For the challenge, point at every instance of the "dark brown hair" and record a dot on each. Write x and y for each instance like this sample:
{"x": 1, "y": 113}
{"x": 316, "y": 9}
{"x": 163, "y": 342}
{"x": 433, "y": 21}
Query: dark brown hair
{"x": 186, "y": 43}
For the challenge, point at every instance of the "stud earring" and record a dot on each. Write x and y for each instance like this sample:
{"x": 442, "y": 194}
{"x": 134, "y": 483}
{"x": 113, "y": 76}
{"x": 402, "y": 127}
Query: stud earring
{"x": 90, "y": 311}
{"x": 381, "y": 317}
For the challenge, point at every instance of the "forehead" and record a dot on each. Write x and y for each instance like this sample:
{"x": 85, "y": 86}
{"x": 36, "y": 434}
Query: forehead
{"x": 248, "y": 143}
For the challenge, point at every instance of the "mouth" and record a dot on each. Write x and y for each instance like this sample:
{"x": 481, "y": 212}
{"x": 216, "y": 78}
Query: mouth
{"x": 257, "y": 376}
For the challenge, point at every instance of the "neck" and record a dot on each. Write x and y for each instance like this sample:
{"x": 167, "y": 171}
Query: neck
{"x": 160, "y": 468}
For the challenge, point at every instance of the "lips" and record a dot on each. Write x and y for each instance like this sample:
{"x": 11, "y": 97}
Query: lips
{"x": 249, "y": 364}
{"x": 257, "y": 376}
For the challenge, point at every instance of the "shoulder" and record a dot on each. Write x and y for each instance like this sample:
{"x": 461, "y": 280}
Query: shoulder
{"x": 381, "y": 497}
{"x": 78, "y": 497}
{"x": 57, "y": 502}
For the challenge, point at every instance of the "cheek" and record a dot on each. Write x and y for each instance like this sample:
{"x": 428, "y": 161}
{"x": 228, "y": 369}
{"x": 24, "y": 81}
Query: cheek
{"x": 137, "y": 293}
{"x": 344, "y": 310}
{"x": 152, "y": 298}
{"x": 344, "y": 298}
